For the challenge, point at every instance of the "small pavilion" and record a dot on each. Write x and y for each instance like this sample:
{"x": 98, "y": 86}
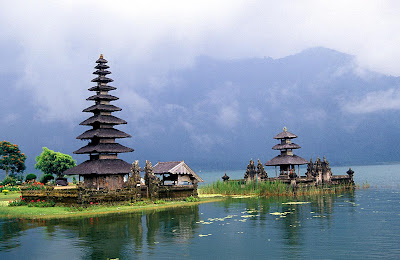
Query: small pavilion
{"x": 286, "y": 160}
{"x": 178, "y": 173}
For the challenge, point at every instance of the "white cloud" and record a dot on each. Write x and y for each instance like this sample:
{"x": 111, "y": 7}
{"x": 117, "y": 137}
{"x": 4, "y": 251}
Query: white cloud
{"x": 374, "y": 102}
{"x": 53, "y": 44}
{"x": 228, "y": 116}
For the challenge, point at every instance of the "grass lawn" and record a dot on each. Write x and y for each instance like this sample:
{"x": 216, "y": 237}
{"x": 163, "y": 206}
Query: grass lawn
{"x": 67, "y": 212}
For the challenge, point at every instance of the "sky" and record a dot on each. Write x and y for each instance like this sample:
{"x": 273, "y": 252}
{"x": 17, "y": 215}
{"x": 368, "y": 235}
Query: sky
{"x": 48, "y": 48}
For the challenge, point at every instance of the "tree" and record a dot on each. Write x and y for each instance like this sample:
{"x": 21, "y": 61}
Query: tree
{"x": 50, "y": 162}
{"x": 11, "y": 158}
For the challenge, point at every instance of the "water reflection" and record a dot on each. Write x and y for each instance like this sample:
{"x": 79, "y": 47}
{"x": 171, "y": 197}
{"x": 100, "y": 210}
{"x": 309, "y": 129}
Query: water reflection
{"x": 109, "y": 236}
{"x": 174, "y": 232}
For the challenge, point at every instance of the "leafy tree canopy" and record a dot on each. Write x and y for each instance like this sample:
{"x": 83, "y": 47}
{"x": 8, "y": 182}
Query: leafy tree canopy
{"x": 11, "y": 158}
{"x": 50, "y": 162}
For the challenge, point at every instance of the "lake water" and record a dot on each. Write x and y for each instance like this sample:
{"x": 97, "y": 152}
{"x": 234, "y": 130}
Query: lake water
{"x": 364, "y": 224}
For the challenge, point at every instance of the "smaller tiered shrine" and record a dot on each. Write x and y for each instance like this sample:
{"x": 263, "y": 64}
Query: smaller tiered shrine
{"x": 286, "y": 160}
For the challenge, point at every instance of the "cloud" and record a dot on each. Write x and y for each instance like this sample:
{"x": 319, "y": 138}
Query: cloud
{"x": 52, "y": 45}
{"x": 375, "y": 101}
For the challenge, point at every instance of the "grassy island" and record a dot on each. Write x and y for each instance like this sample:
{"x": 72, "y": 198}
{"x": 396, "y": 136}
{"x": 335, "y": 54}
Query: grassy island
{"x": 91, "y": 210}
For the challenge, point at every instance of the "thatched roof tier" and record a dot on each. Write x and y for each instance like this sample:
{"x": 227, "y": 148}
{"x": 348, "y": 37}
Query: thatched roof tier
{"x": 103, "y": 133}
{"x": 102, "y": 66}
{"x": 285, "y": 135}
{"x": 102, "y": 88}
{"x": 179, "y": 168}
{"x": 101, "y": 107}
{"x": 101, "y": 60}
{"x": 104, "y": 166}
{"x": 101, "y": 72}
{"x": 286, "y": 160}
{"x": 103, "y": 119}
{"x": 103, "y": 148}
{"x": 102, "y": 97}
{"x": 286, "y": 146}
{"x": 102, "y": 79}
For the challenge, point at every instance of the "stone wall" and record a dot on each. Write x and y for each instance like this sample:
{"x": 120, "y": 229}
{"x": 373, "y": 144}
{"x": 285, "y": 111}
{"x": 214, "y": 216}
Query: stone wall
{"x": 84, "y": 196}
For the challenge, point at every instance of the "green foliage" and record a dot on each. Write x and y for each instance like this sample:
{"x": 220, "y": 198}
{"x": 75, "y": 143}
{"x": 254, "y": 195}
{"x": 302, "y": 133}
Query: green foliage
{"x": 74, "y": 181}
{"x": 17, "y": 202}
{"x": 191, "y": 199}
{"x": 33, "y": 203}
{"x": 34, "y": 185}
{"x": 249, "y": 188}
{"x": 159, "y": 201}
{"x": 45, "y": 178}
{"x": 50, "y": 162}
{"x": 9, "y": 181}
{"x": 141, "y": 203}
{"x": 30, "y": 177}
{"x": 11, "y": 158}
{"x": 9, "y": 187}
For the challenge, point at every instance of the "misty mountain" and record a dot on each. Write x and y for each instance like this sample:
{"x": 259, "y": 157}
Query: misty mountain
{"x": 218, "y": 114}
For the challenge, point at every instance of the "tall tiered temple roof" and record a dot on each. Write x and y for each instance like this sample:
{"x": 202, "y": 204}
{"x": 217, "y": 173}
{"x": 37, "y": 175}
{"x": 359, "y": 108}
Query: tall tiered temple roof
{"x": 102, "y": 148}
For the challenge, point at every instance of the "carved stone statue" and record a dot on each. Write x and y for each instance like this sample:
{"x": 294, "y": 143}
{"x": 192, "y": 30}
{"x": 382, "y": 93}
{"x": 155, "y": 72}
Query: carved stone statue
{"x": 310, "y": 169}
{"x": 225, "y": 177}
{"x": 250, "y": 174}
{"x": 151, "y": 180}
{"x": 261, "y": 173}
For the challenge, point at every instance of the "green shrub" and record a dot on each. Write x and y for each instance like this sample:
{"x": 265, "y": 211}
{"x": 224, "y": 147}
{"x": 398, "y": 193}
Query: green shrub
{"x": 17, "y": 202}
{"x": 159, "y": 202}
{"x": 45, "y": 178}
{"x": 34, "y": 186}
{"x": 74, "y": 181}
{"x": 9, "y": 180}
{"x": 30, "y": 177}
{"x": 191, "y": 199}
{"x": 41, "y": 203}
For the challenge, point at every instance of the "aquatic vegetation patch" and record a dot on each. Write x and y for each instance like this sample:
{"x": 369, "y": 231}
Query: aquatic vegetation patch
{"x": 238, "y": 189}
{"x": 296, "y": 203}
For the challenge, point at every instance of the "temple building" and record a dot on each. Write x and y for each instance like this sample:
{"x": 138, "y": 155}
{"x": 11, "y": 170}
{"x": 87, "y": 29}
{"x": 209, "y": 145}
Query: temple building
{"x": 176, "y": 173}
{"x": 103, "y": 170}
{"x": 286, "y": 160}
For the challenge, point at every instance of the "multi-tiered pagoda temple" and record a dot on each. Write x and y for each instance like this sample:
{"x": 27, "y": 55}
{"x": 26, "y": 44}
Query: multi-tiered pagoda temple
{"x": 286, "y": 160}
{"x": 103, "y": 169}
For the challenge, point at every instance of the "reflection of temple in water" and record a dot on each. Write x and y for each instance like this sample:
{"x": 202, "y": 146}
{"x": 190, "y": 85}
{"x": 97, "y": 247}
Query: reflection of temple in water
{"x": 112, "y": 236}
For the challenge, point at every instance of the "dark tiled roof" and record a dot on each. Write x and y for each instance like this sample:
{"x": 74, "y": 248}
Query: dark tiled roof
{"x": 104, "y": 166}
{"x": 103, "y": 133}
{"x": 100, "y": 107}
{"x": 285, "y": 134}
{"x": 286, "y": 160}
{"x": 102, "y": 97}
{"x": 102, "y": 79}
{"x": 101, "y": 66}
{"x": 286, "y": 146}
{"x": 102, "y": 87}
{"x": 101, "y": 72}
{"x": 180, "y": 168}
{"x": 104, "y": 148}
{"x": 102, "y": 119}
{"x": 164, "y": 167}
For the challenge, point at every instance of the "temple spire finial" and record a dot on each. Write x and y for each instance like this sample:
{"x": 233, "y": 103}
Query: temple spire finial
{"x": 285, "y": 129}
{"x": 101, "y": 56}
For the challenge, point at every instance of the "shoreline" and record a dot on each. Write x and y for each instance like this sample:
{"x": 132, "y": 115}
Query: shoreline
{"x": 62, "y": 212}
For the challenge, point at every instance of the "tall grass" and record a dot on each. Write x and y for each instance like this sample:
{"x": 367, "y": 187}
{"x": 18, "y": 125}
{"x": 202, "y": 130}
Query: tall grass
{"x": 267, "y": 188}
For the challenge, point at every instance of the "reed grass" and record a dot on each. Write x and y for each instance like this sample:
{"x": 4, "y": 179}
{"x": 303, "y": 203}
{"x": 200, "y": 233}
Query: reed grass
{"x": 267, "y": 188}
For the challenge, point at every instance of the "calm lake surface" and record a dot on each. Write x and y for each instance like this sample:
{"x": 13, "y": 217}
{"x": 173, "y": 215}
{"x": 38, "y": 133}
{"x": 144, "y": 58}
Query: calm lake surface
{"x": 355, "y": 225}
